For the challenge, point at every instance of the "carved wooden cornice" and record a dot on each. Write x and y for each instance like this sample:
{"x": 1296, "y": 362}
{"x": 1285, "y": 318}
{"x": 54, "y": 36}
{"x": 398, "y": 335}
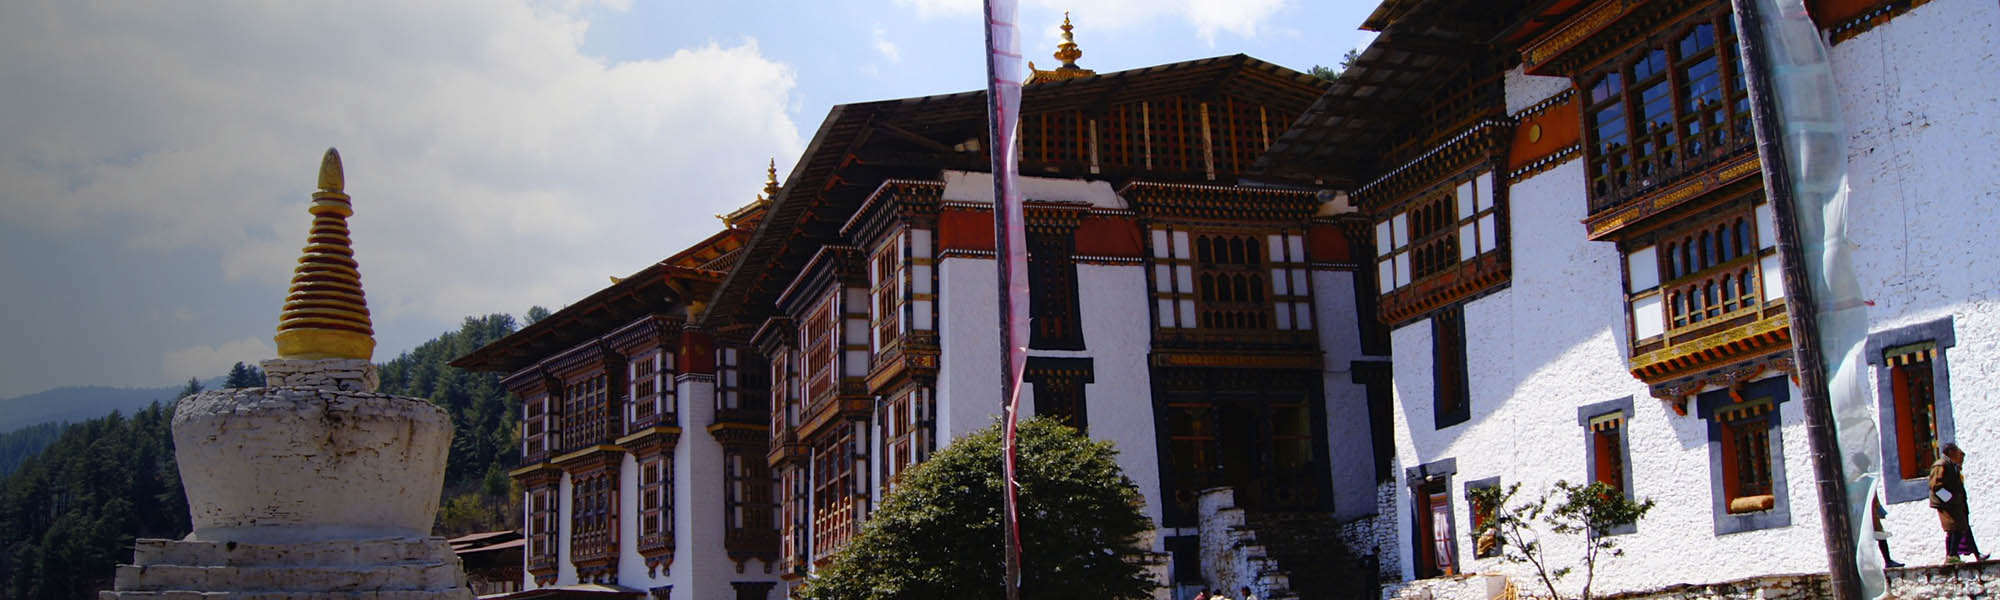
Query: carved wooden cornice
{"x": 1207, "y": 203}
{"x": 1483, "y": 142}
{"x": 1678, "y": 392}
{"x": 1452, "y": 285}
{"x": 1769, "y": 334}
{"x": 1603, "y": 225}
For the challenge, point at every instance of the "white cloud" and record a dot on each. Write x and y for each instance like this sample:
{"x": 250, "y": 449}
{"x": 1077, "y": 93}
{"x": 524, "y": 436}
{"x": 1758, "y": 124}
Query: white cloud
{"x": 209, "y": 361}
{"x": 886, "y": 47}
{"x": 1241, "y": 18}
{"x": 927, "y": 9}
{"x": 493, "y": 164}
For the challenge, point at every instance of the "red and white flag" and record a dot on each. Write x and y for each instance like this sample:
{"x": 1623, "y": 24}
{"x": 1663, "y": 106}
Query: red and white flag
{"x": 1003, "y": 94}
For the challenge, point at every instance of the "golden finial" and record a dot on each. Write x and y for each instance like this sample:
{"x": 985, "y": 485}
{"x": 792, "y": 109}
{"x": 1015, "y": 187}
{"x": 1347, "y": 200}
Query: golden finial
{"x": 771, "y": 181}
{"x": 326, "y": 313}
{"x": 1067, "y": 51}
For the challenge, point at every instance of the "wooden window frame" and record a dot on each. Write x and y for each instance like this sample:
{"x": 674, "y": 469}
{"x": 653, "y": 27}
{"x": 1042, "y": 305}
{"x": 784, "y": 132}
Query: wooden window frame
{"x": 1451, "y": 394}
{"x": 1893, "y": 352}
{"x": 1744, "y": 424}
{"x": 1653, "y": 156}
{"x": 1055, "y": 313}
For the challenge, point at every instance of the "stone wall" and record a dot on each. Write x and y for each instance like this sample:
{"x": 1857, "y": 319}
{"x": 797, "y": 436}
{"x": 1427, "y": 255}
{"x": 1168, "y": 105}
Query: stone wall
{"x": 1970, "y": 580}
{"x": 353, "y": 375}
{"x": 1374, "y": 537}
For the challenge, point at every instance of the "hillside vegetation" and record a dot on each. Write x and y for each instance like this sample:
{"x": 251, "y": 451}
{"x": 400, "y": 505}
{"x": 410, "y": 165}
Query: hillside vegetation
{"x": 80, "y": 493}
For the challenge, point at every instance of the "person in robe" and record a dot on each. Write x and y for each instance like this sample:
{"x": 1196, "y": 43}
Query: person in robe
{"x": 1948, "y": 497}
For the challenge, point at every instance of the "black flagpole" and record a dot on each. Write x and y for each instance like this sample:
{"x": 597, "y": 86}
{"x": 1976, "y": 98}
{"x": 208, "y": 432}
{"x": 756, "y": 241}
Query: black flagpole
{"x": 1820, "y": 436}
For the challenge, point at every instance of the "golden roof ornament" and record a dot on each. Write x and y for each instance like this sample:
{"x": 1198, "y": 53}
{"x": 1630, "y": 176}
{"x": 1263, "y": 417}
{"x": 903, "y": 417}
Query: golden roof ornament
{"x": 754, "y": 210}
{"x": 1067, "y": 52}
{"x": 770, "y": 182}
{"x": 326, "y": 313}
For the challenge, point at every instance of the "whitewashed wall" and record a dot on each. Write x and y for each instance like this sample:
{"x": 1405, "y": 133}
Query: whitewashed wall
{"x": 1350, "y": 448}
{"x": 1552, "y": 341}
{"x": 1923, "y": 115}
{"x": 1116, "y": 338}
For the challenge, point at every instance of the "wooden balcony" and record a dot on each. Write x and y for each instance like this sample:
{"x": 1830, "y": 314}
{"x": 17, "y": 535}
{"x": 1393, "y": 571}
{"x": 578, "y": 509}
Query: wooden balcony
{"x": 1650, "y": 185}
{"x": 1713, "y": 317}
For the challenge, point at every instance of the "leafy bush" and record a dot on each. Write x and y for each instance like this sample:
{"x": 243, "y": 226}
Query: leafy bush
{"x": 937, "y": 535}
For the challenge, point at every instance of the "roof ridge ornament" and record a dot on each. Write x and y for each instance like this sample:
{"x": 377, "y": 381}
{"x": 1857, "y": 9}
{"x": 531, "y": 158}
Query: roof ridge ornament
{"x": 325, "y": 314}
{"x": 1067, "y": 52}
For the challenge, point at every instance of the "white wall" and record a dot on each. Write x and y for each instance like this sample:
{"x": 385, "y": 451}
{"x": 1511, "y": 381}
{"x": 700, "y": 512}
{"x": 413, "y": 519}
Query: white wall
{"x": 968, "y": 393}
{"x": 1350, "y": 448}
{"x": 1917, "y": 93}
{"x": 1117, "y": 339}
{"x": 1552, "y": 341}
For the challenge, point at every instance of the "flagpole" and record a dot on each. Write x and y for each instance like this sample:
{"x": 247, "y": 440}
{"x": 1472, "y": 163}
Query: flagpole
{"x": 1003, "y": 91}
{"x": 1835, "y": 528}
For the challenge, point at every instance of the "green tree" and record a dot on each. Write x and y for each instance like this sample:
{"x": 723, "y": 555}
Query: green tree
{"x": 535, "y": 314}
{"x": 1591, "y": 511}
{"x": 244, "y": 376}
{"x": 1333, "y": 73}
{"x": 193, "y": 387}
{"x": 937, "y": 535}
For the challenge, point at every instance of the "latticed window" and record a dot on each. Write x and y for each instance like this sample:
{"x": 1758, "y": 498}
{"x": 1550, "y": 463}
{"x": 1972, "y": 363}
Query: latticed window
{"x": 586, "y": 413}
{"x": 1746, "y": 455}
{"x": 728, "y": 380}
{"x": 1608, "y": 451}
{"x": 886, "y": 274}
{"x": 1231, "y": 281}
{"x": 834, "y": 518}
{"x": 817, "y": 339}
{"x": 656, "y": 502}
{"x": 1446, "y": 226}
{"x": 542, "y": 526}
{"x": 651, "y": 394}
{"x": 593, "y": 524}
{"x": 1675, "y": 103}
{"x": 1054, "y": 314}
{"x": 1911, "y": 380}
{"x": 536, "y": 423}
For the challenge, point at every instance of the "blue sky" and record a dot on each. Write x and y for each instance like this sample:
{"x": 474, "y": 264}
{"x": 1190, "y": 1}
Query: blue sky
{"x": 156, "y": 158}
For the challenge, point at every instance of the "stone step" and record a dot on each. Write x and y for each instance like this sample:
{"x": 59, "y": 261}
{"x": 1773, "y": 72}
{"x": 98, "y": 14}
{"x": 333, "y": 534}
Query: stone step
{"x": 434, "y": 576}
{"x": 327, "y": 554}
{"x": 455, "y": 594}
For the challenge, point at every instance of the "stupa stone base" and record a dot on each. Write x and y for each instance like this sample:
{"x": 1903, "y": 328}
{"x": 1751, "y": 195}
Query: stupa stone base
{"x": 380, "y": 569}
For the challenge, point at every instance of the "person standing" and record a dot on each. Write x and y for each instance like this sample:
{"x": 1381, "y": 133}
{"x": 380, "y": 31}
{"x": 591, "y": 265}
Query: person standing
{"x": 1948, "y": 497}
{"x": 1246, "y": 595}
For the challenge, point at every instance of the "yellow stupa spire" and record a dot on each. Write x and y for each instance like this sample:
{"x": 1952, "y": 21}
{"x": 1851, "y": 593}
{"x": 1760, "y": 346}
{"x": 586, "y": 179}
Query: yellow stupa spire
{"x": 1067, "y": 52}
{"x": 326, "y": 313}
{"x": 771, "y": 181}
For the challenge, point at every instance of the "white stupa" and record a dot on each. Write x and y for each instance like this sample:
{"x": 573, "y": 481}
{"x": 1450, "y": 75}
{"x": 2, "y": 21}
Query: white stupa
{"x": 314, "y": 486}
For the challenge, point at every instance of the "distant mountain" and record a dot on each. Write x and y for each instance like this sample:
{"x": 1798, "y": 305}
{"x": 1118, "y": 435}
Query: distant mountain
{"x": 75, "y": 404}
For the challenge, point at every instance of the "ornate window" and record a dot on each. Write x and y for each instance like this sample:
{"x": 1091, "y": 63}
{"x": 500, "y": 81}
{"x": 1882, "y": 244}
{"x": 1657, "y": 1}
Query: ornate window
{"x": 746, "y": 494}
{"x": 593, "y": 516}
{"x": 656, "y": 502}
{"x": 728, "y": 380}
{"x": 906, "y": 431}
{"x": 1746, "y": 458}
{"x": 1054, "y": 313}
{"x": 542, "y": 528}
{"x": 886, "y": 274}
{"x": 817, "y": 340}
{"x": 795, "y": 512}
{"x": 1231, "y": 282}
{"x": 1913, "y": 399}
{"x": 537, "y": 429}
{"x": 1675, "y": 104}
{"x": 835, "y": 509}
{"x": 1446, "y": 226}
{"x": 1059, "y": 385}
{"x": 651, "y": 390}
{"x": 1485, "y": 541}
{"x": 585, "y": 413}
